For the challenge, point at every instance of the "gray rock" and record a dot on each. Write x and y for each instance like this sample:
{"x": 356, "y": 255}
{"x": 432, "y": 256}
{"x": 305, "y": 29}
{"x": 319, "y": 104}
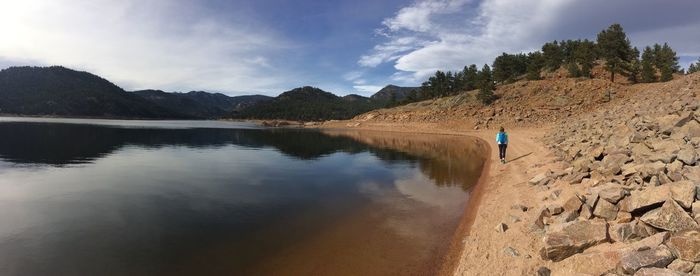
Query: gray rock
{"x": 688, "y": 156}
{"x": 632, "y": 261}
{"x": 573, "y": 237}
{"x": 612, "y": 193}
{"x": 670, "y": 217}
{"x": 543, "y": 271}
{"x": 685, "y": 245}
{"x": 643, "y": 230}
{"x": 605, "y": 209}
{"x": 681, "y": 266}
{"x": 511, "y": 252}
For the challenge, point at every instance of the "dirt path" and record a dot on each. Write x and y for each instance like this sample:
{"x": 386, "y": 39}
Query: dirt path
{"x": 485, "y": 251}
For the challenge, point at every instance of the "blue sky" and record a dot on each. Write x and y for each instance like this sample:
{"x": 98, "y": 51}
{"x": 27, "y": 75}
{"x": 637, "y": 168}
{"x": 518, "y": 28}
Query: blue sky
{"x": 344, "y": 46}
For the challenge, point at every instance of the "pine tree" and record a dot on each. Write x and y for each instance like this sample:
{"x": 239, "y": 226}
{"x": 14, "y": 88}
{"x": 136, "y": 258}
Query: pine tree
{"x": 615, "y": 49}
{"x": 553, "y": 55}
{"x": 471, "y": 75}
{"x": 635, "y": 67}
{"x": 648, "y": 71}
{"x": 666, "y": 61}
{"x": 574, "y": 71}
{"x": 534, "y": 65}
{"x": 486, "y": 86}
{"x": 585, "y": 55}
{"x": 692, "y": 68}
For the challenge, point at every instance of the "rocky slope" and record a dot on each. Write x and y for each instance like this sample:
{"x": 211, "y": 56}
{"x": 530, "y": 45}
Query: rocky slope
{"x": 634, "y": 167}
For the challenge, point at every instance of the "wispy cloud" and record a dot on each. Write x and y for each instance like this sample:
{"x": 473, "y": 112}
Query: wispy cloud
{"x": 142, "y": 44}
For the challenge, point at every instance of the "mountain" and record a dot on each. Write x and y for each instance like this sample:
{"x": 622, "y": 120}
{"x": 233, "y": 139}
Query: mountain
{"x": 59, "y": 91}
{"x": 199, "y": 104}
{"x": 308, "y": 104}
{"x": 398, "y": 93}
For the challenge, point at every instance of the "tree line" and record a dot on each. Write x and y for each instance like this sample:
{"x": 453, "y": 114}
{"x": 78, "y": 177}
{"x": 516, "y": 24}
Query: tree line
{"x": 656, "y": 63}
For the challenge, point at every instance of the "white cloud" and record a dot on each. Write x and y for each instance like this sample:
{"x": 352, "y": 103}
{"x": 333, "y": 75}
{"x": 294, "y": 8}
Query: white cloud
{"x": 431, "y": 35}
{"x": 141, "y": 44}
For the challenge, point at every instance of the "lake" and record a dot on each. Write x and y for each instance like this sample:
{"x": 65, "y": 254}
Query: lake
{"x": 110, "y": 197}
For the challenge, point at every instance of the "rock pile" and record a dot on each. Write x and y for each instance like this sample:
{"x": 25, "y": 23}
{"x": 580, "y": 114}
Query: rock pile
{"x": 637, "y": 172}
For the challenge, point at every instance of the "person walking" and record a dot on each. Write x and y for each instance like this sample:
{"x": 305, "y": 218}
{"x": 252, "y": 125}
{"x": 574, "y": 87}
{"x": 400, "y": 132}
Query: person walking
{"x": 502, "y": 141}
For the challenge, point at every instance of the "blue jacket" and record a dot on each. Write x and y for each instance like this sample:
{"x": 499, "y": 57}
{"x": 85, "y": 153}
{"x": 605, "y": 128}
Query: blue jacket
{"x": 502, "y": 138}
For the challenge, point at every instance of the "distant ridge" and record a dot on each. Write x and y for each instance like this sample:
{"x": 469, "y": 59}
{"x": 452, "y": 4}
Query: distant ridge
{"x": 199, "y": 104}
{"x": 59, "y": 91}
{"x": 309, "y": 104}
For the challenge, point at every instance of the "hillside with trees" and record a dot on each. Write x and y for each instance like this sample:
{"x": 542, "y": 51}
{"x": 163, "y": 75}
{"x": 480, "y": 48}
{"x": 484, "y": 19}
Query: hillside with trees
{"x": 199, "y": 104}
{"x": 58, "y": 91}
{"x": 308, "y": 104}
{"x": 612, "y": 50}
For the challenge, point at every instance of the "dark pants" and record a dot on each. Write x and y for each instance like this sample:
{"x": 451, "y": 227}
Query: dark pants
{"x": 502, "y": 151}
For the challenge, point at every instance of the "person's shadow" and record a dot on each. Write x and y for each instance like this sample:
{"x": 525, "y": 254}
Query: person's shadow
{"x": 522, "y": 156}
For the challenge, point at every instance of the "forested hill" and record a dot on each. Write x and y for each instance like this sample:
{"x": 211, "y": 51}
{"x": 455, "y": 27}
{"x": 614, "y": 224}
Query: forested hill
{"x": 58, "y": 91}
{"x": 393, "y": 93}
{"x": 199, "y": 104}
{"x": 309, "y": 104}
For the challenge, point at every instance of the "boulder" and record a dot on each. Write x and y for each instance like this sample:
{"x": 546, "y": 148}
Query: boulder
{"x": 696, "y": 209}
{"x": 612, "y": 164}
{"x": 688, "y": 156}
{"x": 645, "y": 198}
{"x": 659, "y": 256}
{"x": 655, "y": 271}
{"x": 622, "y": 232}
{"x": 651, "y": 169}
{"x": 670, "y": 216}
{"x": 573, "y": 204}
{"x": 612, "y": 193}
{"x": 643, "y": 230}
{"x": 540, "y": 179}
{"x": 683, "y": 192}
{"x": 623, "y": 217}
{"x": 691, "y": 173}
{"x": 681, "y": 266}
{"x": 539, "y": 218}
{"x": 685, "y": 245}
{"x": 586, "y": 212}
{"x": 674, "y": 171}
{"x": 605, "y": 209}
{"x": 573, "y": 237}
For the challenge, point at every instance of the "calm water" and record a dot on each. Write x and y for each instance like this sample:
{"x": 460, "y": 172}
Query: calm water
{"x": 96, "y": 197}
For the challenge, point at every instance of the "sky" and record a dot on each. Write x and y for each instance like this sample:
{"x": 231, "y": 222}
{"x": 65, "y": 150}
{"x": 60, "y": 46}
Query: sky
{"x": 266, "y": 47}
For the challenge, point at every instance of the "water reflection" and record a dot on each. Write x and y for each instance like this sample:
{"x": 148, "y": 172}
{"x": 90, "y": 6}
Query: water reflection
{"x": 145, "y": 201}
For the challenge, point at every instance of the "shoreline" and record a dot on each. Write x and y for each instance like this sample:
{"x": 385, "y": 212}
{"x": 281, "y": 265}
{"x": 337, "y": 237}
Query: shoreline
{"x": 476, "y": 247}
